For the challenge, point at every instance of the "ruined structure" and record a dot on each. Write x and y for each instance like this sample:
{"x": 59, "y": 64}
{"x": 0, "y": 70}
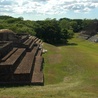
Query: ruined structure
{"x": 21, "y": 60}
{"x": 90, "y": 31}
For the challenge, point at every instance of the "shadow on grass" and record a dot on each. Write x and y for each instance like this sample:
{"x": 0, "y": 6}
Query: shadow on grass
{"x": 9, "y": 85}
{"x": 71, "y": 44}
{"x": 67, "y": 44}
{"x": 19, "y": 85}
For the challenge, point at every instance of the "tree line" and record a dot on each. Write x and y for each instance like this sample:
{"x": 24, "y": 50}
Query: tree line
{"x": 49, "y": 30}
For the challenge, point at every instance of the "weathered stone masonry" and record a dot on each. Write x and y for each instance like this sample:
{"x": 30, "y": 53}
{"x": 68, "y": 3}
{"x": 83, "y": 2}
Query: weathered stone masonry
{"x": 21, "y": 60}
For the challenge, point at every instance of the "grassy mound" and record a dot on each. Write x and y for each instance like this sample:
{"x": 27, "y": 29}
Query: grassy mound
{"x": 71, "y": 71}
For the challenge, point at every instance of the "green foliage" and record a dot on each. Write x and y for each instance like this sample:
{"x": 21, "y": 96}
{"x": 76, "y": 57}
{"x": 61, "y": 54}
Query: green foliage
{"x": 79, "y": 24}
{"x": 86, "y": 22}
{"x": 18, "y": 25}
{"x": 64, "y": 24}
{"x": 64, "y": 35}
{"x": 74, "y": 26}
{"x": 1, "y": 26}
{"x": 53, "y": 31}
{"x": 50, "y": 30}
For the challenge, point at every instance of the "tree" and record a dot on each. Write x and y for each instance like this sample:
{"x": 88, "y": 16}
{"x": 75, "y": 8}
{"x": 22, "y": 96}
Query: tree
{"x": 74, "y": 26}
{"x": 48, "y": 30}
{"x": 79, "y": 25}
{"x": 64, "y": 24}
{"x": 51, "y": 32}
{"x": 86, "y": 23}
{"x": 66, "y": 34}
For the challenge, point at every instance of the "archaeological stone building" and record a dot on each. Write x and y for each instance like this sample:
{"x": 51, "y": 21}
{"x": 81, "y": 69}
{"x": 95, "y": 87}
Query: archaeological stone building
{"x": 21, "y": 60}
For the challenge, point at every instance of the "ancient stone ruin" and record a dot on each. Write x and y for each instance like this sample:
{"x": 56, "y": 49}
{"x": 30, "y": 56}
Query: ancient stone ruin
{"x": 90, "y": 32}
{"x": 21, "y": 60}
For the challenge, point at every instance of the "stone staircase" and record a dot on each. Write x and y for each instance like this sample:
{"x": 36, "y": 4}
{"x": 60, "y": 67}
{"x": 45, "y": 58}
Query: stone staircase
{"x": 23, "y": 64}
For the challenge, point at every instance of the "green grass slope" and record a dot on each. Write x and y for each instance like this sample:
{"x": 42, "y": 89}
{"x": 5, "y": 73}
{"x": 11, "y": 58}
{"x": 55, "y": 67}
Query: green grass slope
{"x": 71, "y": 71}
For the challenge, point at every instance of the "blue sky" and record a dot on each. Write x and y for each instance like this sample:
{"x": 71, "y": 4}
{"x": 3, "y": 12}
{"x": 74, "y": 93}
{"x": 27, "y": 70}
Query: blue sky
{"x": 42, "y": 9}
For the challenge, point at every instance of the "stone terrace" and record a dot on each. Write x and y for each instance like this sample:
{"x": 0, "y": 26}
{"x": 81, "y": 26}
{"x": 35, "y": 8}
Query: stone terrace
{"x": 21, "y": 63}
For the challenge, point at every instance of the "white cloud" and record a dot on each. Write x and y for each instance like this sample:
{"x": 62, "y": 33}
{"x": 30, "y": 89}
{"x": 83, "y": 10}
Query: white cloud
{"x": 46, "y": 6}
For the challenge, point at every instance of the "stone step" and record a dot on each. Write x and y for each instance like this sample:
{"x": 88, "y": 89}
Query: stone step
{"x": 29, "y": 43}
{"x": 5, "y": 47}
{"x": 7, "y": 67}
{"x": 35, "y": 41}
{"x": 8, "y": 55}
{"x": 41, "y": 42}
{"x": 25, "y": 68}
{"x": 11, "y": 63}
{"x": 38, "y": 41}
{"x": 31, "y": 46}
{"x": 39, "y": 52}
{"x": 38, "y": 63}
{"x": 38, "y": 77}
{"x": 24, "y": 38}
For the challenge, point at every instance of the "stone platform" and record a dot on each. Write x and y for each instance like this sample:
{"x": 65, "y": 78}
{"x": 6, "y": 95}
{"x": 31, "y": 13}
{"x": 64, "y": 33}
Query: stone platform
{"x": 21, "y": 63}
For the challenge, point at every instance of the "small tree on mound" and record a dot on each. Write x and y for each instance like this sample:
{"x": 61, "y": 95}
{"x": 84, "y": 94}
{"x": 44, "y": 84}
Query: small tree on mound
{"x": 65, "y": 35}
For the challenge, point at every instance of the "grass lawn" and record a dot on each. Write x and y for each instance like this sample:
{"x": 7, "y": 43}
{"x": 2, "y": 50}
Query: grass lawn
{"x": 70, "y": 71}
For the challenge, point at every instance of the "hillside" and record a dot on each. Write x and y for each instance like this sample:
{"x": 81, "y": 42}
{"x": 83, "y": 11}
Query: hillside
{"x": 71, "y": 71}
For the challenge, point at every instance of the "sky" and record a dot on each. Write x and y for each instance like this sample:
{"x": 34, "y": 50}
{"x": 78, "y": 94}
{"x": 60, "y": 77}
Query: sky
{"x": 43, "y": 9}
